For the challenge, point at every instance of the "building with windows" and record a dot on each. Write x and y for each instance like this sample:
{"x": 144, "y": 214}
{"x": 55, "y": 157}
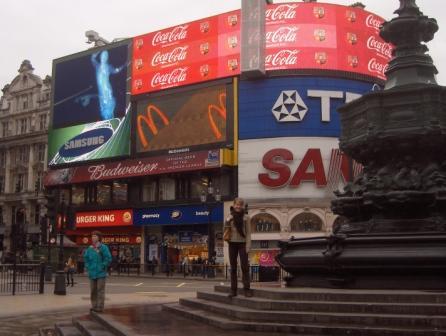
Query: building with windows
{"x": 24, "y": 116}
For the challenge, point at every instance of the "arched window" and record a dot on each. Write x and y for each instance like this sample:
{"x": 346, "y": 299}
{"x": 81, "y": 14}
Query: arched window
{"x": 264, "y": 222}
{"x": 306, "y": 222}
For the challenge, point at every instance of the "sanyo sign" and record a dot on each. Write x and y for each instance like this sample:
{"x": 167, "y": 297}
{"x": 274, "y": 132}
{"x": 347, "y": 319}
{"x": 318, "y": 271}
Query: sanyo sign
{"x": 295, "y": 106}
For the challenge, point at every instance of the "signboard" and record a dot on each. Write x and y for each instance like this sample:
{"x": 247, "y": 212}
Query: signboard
{"x": 193, "y": 52}
{"x": 90, "y": 108}
{"x": 104, "y": 218}
{"x": 292, "y": 168}
{"x": 132, "y": 168}
{"x": 184, "y": 119}
{"x": 111, "y": 239}
{"x": 186, "y": 214}
{"x": 295, "y": 106}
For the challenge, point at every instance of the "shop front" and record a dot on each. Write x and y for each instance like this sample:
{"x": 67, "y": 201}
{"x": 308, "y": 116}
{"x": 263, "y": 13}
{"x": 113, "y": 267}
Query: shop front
{"x": 175, "y": 232}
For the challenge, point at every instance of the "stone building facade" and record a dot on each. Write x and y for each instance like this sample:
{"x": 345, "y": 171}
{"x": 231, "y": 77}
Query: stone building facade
{"x": 24, "y": 117}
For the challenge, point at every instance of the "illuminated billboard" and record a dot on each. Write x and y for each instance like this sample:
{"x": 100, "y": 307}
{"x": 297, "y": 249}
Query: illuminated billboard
{"x": 193, "y": 52}
{"x": 177, "y": 121}
{"x": 90, "y": 110}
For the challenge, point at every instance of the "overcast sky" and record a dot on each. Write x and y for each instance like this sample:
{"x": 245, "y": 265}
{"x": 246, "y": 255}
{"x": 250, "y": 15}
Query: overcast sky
{"x": 46, "y": 29}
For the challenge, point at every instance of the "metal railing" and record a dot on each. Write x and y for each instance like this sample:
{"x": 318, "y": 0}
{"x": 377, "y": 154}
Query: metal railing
{"x": 18, "y": 278}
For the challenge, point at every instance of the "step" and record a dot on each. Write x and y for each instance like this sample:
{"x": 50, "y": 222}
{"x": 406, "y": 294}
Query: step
{"x": 345, "y": 295}
{"x": 109, "y": 323}
{"x": 247, "y": 314}
{"x": 66, "y": 329}
{"x": 227, "y": 323}
{"x": 89, "y": 327}
{"x": 327, "y": 306}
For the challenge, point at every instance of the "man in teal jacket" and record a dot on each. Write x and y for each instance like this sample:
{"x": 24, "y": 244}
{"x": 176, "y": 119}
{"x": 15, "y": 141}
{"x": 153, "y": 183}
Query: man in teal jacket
{"x": 97, "y": 257}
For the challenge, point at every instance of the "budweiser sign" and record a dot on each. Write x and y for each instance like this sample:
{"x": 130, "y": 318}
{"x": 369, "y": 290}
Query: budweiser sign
{"x": 380, "y": 47}
{"x": 373, "y": 22}
{"x": 281, "y": 12}
{"x": 176, "y": 34}
{"x": 282, "y": 58}
{"x": 176, "y": 76}
{"x": 282, "y": 35}
{"x": 377, "y": 67}
{"x": 101, "y": 171}
{"x": 176, "y": 55}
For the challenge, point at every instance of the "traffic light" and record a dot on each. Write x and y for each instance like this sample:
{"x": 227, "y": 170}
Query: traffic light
{"x": 51, "y": 204}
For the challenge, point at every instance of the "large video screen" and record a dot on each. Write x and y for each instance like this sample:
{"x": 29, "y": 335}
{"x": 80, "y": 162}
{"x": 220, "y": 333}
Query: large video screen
{"x": 91, "y": 105}
{"x": 177, "y": 121}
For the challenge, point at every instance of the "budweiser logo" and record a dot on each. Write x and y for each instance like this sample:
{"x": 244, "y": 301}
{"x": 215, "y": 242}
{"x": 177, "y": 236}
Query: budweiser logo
{"x": 282, "y": 35}
{"x": 379, "y": 46}
{"x": 102, "y": 171}
{"x": 281, "y": 12}
{"x": 176, "y": 55}
{"x": 281, "y": 58}
{"x": 176, "y": 34}
{"x": 372, "y": 22}
{"x": 377, "y": 67}
{"x": 176, "y": 76}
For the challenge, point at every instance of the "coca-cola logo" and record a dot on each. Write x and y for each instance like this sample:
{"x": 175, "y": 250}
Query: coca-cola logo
{"x": 176, "y": 34}
{"x": 282, "y": 58}
{"x": 281, "y": 12}
{"x": 282, "y": 35}
{"x": 176, "y": 76}
{"x": 377, "y": 67}
{"x": 380, "y": 47}
{"x": 176, "y": 55}
{"x": 373, "y": 22}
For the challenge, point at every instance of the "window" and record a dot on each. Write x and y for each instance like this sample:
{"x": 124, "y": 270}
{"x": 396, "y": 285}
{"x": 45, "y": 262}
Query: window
{"x": 22, "y": 155}
{"x": 166, "y": 189}
{"x": 42, "y": 122}
{"x": 2, "y": 159}
{"x": 103, "y": 194}
{"x": 264, "y": 222}
{"x": 39, "y": 181}
{"x": 24, "y": 102}
{"x": 2, "y": 184}
{"x": 306, "y": 222}
{"x": 149, "y": 191}
{"x": 119, "y": 192}
{"x": 21, "y": 126}
{"x": 41, "y": 152}
{"x": 5, "y": 128}
{"x": 77, "y": 195}
{"x": 198, "y": 184}
{"x": 20, "y": 182}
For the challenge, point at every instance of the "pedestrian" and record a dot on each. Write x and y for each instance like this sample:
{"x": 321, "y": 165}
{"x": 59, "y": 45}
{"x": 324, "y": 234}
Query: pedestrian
{"x": 237, "y": 232}
{"x": 154, "y": 265}
{"x": 70, "y": 269}
{"x": 97, "y": 257}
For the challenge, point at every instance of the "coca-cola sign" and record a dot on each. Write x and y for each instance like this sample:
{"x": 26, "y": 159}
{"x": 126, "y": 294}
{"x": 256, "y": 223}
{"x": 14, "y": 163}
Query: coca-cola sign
{"x": 281, "y": 12}
{"x": 377, "y": 67}
{"x": 382, "y": 48}
{"x": 176, "y": 34}
{"x": 174, "y": 56}
{"x": 174, "y": 77}
{"x": 373, "y": 22}
{"x": 282, "y": 58}
{"x": 283, "y": 34}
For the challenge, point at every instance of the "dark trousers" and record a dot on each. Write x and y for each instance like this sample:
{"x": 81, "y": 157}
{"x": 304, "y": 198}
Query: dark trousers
{"x": 70, "y": 276}
{"x": 238, "y": 249}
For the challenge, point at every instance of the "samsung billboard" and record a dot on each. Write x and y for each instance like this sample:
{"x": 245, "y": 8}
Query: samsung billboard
{"x": 295, "y": 106}
{"x": 90, "y": 109}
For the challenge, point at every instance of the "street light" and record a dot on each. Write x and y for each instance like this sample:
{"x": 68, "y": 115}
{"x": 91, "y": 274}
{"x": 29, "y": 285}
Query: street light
{"x": 59, "y": 285}
{"x": 210, "y": 200}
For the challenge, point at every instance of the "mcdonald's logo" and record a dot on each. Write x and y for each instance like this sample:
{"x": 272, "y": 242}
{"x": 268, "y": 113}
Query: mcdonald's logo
{"x": 221, "y": 110}
{"x": 148, "y": 120}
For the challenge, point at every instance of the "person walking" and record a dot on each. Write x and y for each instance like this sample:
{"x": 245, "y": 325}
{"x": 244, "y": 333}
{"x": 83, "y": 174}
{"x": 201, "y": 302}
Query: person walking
{"x": 237, "y": 232}
{"x": 70, "y": 268}
{"x": 97, "y": 258}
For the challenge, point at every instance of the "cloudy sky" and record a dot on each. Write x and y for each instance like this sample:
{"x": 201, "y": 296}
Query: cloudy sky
{"x": 46, "y": 29}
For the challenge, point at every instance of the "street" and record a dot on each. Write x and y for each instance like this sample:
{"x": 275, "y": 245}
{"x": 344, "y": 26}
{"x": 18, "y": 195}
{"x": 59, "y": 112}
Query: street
{"x": 24, "y": 314}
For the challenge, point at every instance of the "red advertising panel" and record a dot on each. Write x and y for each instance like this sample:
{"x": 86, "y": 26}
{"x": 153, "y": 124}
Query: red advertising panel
{"x": 111, "y": 239}
{"x": 193, "y": 52}
{"x": 131, "y": 168}
{"x": 104, "y": 218}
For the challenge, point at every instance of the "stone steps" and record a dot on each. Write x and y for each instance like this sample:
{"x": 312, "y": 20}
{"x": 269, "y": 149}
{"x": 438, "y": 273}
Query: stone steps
{"x": 228, "y": 323}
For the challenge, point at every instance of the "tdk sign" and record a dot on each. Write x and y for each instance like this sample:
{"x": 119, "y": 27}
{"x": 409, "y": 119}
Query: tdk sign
{"x": 85, "y": 142}
{"x": 295, "y": 106}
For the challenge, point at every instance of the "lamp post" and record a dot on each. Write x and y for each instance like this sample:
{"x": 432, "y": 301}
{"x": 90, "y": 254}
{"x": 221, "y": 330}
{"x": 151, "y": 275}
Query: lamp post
{"x": 59, "y": 285}
{"x": 210, "y": 200}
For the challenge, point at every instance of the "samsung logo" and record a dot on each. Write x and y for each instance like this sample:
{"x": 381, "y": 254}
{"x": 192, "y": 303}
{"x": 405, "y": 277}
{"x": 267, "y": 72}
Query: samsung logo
{"x": 85, "y": 142}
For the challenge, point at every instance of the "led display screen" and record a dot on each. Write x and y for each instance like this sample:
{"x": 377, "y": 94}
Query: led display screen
{"x": 183, "y": 119}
